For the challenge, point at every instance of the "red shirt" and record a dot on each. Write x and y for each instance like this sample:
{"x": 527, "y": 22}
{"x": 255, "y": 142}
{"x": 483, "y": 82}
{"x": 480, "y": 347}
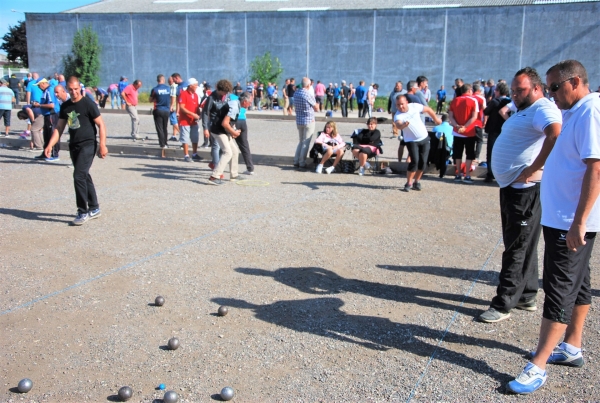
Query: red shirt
{"x": 190, "y": 102}
{"x": 132, "y": 94}
{"x": 462, "y": 109}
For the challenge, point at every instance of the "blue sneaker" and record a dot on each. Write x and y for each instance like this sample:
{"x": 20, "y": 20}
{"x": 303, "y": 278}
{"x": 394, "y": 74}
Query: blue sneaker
{"x": 560, "y": 356}
{"x": 94, "y": 214}
{"x": 52, "y": 159}
{"x": 531, "y": 379}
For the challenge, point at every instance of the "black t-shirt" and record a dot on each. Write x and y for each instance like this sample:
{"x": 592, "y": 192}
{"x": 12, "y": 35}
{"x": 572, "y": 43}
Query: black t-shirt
{"x": 13, "y": 82}
{"x": 291, "y": 88}
{"x": 259, "y": 92}
{"x": 368, "y": 137}
{"x": 80, "y": 117}
{"x": 344, "y": 92}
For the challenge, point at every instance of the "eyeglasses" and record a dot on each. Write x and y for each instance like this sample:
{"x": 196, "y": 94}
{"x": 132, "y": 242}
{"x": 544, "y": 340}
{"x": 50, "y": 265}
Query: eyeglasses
{"x": 556, "y": 87}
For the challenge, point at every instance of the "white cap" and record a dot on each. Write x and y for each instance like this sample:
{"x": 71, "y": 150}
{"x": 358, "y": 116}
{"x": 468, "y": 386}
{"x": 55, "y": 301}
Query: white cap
{"x": 192, "y": 81}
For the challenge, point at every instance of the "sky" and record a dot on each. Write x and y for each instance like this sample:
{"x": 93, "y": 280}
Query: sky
{"x": 10, "y": 18}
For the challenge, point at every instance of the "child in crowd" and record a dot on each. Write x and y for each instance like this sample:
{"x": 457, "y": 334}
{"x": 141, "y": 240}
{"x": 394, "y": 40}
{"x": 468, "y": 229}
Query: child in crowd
{"x": 330, "y": 143}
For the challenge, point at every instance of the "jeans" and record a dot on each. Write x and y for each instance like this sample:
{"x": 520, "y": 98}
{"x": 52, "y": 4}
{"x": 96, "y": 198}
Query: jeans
{"x": 361, "y": 109}
{"x": 521, "y": 213}
{"x": 115, "y": 98}
{"x": 215, "y": 149}
{"x": 135, "y": 121}
{"x": 242, "y": 142}
{"x": 305, "y": 135}
{"x": 344, "y": 106}
{"x": 230, "y": 156}
{"x": 82, "y": 157}
{"x": 161, "y": 123}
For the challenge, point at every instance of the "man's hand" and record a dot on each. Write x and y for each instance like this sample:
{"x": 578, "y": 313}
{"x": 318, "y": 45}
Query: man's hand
{"x": 525, "y": 175}
{"x": 576, "y": 236}
{"x": 103, "y": 151}
{"x": 461, "y": 129}
{"x": 48, "y": 151}
{"x": 237, "y": 134}
{"x": 206, "y": 134}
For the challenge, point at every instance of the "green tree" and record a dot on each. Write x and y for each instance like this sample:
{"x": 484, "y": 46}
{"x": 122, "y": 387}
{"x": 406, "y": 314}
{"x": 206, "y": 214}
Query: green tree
{"x": 84, "y": 60}
{"x": 266, "y": 69}
{"x": 15, "y": 44}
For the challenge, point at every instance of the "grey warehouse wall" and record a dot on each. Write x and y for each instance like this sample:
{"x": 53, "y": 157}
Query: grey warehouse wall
{"x": 380, "y": 46}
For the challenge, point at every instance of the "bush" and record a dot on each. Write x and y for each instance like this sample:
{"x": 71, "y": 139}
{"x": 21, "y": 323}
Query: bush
{"x": 143, "y": 97}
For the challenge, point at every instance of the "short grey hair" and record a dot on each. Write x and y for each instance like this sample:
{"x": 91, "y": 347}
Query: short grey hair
{"x": 305, "y": 82}
{"x": 569, "y": 68}
{"x": 245, "y": 96}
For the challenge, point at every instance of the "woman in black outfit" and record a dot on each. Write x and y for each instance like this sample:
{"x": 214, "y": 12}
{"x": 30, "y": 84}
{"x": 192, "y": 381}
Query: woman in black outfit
{"x": 366, "y": 144}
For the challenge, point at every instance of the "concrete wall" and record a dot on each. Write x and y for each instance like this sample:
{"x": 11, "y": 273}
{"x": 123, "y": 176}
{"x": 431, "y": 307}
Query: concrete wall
{"x": 380, "y": 46}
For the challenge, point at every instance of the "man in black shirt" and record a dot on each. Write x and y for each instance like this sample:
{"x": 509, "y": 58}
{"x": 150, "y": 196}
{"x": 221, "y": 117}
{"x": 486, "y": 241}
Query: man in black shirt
{"x": 344, "y": 94}
{"x": 83, "y": 116}
{"x": 290, "y": 90}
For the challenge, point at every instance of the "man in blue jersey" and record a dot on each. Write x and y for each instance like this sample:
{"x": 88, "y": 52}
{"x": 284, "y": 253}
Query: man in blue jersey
{"x": 161, "y": 96}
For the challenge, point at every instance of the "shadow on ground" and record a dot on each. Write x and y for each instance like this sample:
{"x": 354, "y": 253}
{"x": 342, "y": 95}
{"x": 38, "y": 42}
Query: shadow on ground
{"x": 31, "y": 215}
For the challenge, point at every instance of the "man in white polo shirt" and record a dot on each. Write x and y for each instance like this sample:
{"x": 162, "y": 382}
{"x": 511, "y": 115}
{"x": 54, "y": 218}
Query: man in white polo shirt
{"x": 518, "y": 157}
{"x": 570, "y": 220}
{"x": 408, "y": 120}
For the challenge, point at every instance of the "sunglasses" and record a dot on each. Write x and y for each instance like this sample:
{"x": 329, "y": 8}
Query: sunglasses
{"x": 556, "y": 87}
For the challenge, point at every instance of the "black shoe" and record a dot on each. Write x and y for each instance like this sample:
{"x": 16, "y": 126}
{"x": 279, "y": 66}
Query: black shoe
{"x": 196, "y": 157}
{"x": 416, "y": 186}
{"x": 406, "y": 188}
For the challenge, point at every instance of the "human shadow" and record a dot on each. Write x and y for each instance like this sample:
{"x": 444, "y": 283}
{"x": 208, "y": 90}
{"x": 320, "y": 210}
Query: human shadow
{"x": 319, "y": 185}
{"x": 324, "y": 317}
{"x": 319, "y": 281}
{"x": 171, "y": 172}
{"x": 489, "y": 277}
{"x": 30, "y": 215}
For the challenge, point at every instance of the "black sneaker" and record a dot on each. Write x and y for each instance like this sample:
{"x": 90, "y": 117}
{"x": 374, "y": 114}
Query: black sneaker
{"x": 196, "y": 157}
{"x": 530, "y": 305}
{"x": 215, "y": 181}
{"x": 458, "y": 178}
{"x": 406, "y": 188}
{"x": 416, "y": 186}
{"x": 468, "y": 180}
{"x": 40, "y": 157}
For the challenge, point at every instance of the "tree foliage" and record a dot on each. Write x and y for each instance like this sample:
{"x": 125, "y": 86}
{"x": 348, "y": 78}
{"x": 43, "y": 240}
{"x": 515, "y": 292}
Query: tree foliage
{"x": 84, "y": 60}
{"x": 266, "y": 69}
{"x": 15, "y": 44}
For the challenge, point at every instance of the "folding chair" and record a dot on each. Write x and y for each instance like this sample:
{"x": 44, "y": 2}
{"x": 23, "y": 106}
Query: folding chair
{"x": 374, "y": 161}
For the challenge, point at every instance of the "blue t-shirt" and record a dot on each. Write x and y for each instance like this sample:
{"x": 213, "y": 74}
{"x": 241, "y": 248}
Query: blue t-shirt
{"x": 441, "y": 95}
{"x": 36, "y": 93}
{"x": 47, "y": 98}
{"x": 242, "y": 114}
{"x": 447, "y": 130}
{"x": 162, "y": 97}
{"x": 6, "y": 96}
{"x": 270, "y": 90}
{"x": 336, "y": 92}
{"x": 360, "y": 94}
{"x": 36, "y": 111}
{"x": 122, "y": 85}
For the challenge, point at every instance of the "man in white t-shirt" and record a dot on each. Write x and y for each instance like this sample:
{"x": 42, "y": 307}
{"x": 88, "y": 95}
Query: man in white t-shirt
{"x": 408, "y": 119}
{"x": 570, "y": 220}
{"x": 518, "y": 157}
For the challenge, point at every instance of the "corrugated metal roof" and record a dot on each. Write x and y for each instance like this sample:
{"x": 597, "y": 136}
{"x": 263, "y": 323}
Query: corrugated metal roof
{"x": 169, "y": 6}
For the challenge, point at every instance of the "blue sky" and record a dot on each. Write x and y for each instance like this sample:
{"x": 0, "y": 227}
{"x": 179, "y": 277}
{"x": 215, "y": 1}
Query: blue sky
{"x": 9, "y": 18}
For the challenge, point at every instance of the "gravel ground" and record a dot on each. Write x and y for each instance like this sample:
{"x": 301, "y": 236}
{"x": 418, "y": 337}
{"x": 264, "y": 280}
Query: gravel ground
{"x": 340, "y": 288}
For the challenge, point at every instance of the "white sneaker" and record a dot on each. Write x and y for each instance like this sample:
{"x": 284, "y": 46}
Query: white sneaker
{"x": 330, "y": 169}
{"x": 319, "y": 169}
{"x": 361, "y": 171}
{"x": 367, "y": 165}
{"x": 248, "y": 173}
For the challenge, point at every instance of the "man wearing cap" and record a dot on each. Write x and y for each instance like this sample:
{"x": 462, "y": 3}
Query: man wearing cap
{"x": 122, "y": 85}
{"x": 189, "y": 114}
{"x": 7, "y": 97}
{"x": 130, "y": 96}
{"x": 46, "y": 105}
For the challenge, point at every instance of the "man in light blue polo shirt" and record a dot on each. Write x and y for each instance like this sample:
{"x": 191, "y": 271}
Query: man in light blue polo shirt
{"x": 7, "y": 97}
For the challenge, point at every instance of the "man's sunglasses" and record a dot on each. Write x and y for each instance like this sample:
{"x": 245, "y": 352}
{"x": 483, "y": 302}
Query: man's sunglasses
{"x": 556, "y": 87}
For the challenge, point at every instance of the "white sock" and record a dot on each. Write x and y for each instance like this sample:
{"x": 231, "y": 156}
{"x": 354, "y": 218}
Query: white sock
{"x": 570, "y": 348}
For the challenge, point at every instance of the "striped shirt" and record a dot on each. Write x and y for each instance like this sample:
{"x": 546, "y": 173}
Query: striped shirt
{"x": 304, "y": 102}
{"x": 6, "y": 97}
{"x": 521, "y": 140}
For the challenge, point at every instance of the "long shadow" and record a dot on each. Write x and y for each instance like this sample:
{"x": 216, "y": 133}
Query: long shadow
{"x": 596, "y": 293}
{"x": 172, "y": 172}
{"x": 323, "y": 317}
{"x": 318, "y": 185}
{"x": 30, "y": 215}
{"x": 449, "y": 272}
{"x": 319, "y": 281}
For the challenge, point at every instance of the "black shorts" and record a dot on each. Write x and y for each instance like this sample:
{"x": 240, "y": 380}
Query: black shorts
{"x": 418, "y": 152}
{"x": 466, "y": 143}
{"x": 364, "y": 150}
{"x": 566, "y": 275}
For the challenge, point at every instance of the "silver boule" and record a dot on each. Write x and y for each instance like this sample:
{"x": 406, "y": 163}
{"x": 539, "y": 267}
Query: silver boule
{"x": 173, "y": 343}
{"x": 159, "y": 301}
{"x": 25, "y": 385}
{"x": 125, "y": 393}
{"x": 223, "y": 310}
{"x": 227, "y": 393}
{"x": 170, "y": 397}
